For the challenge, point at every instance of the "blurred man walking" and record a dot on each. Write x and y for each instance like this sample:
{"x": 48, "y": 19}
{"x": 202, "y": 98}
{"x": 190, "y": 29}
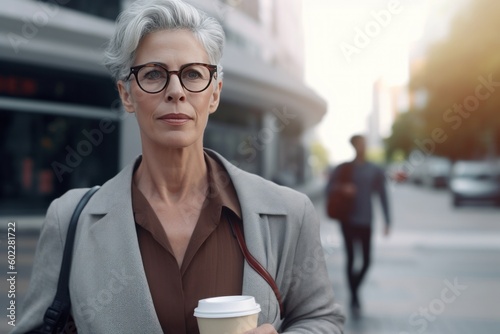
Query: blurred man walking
{"x": 359, "y": 180}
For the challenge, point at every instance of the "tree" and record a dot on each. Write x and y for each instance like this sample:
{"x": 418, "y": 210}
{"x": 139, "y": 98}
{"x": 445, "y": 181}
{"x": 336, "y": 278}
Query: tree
{"x": 404, "y": 130}
{"x": 462, "y": 81}
{"x": 320, "y": 157}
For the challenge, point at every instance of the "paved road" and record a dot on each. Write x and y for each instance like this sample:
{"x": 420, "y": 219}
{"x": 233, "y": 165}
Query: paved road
{"x": 438, "y": 272}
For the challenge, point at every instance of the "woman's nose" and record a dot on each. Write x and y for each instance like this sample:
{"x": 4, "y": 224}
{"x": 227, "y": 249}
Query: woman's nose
{"x": 174, "y": 89}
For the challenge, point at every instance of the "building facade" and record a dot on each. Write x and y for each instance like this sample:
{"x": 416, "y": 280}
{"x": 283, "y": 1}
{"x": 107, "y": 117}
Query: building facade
{"x": 62, "y": 124}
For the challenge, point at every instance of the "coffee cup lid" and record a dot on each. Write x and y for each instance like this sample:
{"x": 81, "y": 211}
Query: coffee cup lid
{"x": 226, "y": 307}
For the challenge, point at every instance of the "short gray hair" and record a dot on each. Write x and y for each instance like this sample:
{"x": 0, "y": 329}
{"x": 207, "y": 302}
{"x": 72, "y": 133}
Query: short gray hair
{"x": 146, "y": 16}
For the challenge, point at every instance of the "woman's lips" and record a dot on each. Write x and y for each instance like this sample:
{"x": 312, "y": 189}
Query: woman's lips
{"x": 175, "y": 119}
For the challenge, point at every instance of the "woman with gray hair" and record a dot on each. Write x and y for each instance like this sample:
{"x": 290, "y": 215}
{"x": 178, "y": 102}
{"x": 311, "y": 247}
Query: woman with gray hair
{"x": 180, "y": 223}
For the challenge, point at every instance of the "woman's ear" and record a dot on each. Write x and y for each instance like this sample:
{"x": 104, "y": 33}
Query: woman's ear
{"x": 125, "y": 97}
{"x": 215, "y": 98}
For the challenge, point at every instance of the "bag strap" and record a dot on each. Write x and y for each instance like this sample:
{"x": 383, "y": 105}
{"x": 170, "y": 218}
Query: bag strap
{"x": 57, "y": 314}
{"x": 238, "y": 233}
{"x": 342, "y": 174}
{"x": 346, "y": 172}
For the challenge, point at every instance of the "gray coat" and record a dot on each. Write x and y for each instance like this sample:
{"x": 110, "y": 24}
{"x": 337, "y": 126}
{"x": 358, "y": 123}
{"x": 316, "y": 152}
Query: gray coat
{"x": 108, "y": 286}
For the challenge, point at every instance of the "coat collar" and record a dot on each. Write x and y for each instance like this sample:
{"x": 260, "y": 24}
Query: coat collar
{"x": 116, "y": 193}
{"x": 249, "y": 188}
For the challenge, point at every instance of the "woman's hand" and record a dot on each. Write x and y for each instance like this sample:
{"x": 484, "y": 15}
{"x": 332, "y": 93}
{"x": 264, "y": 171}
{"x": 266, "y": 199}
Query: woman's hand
{"x": 264, "y": 329}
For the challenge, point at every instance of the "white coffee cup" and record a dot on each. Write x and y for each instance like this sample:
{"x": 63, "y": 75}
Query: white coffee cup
{"x": 227, "y": 315}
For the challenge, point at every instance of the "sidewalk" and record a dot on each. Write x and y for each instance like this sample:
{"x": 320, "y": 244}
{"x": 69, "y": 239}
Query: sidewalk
{"x": 417, "y": 285}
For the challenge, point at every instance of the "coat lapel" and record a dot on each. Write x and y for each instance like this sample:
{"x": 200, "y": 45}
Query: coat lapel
{"x": 108, "y": 265}
{"x": 256, "y": 207}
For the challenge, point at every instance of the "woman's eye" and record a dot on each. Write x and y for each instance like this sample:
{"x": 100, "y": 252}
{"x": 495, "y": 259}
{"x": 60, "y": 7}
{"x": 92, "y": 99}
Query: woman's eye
{"x": 191, "y": 74}
{"x": 154, "y": 74}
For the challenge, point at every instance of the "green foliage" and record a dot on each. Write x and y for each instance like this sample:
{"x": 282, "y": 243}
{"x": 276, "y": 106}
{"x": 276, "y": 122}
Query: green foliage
{"x": 376, "y": 155}
{"x": 404, "y": 130}
{"x": 319, "y": 155}
{"x": 460, "y": 103}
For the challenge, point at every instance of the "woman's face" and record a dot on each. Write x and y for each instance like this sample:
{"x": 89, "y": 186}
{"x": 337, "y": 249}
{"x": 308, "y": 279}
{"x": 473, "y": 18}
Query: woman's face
{"x": 174, "y": 117}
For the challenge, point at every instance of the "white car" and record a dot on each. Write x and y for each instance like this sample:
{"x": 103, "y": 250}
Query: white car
{"x": 476, "y": 180}
{"x": 436, "y": 172}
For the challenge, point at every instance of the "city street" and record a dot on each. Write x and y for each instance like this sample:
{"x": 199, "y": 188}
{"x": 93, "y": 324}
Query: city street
{"x": 438, "y": 271}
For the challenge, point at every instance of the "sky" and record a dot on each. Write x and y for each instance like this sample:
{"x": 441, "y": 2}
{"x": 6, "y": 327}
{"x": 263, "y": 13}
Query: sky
{"x": 348, "y": 46}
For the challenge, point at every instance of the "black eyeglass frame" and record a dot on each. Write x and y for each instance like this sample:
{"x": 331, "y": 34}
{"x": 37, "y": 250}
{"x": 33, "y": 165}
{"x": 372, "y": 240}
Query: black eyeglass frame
{"x": 135, "y": 70}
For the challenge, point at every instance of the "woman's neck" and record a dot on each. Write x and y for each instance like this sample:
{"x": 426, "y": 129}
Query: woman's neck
{"x": 172, "y": 175}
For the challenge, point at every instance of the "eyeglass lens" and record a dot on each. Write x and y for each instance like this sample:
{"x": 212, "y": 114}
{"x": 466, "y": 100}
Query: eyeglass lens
{"x": 153, "y": 78}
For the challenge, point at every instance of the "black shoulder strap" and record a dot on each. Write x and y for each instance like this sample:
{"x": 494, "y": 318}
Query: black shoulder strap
{"x": 57, "y": 314}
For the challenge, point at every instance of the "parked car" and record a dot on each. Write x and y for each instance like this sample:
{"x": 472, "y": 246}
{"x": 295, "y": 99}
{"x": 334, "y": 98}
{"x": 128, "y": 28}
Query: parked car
{"x": 432, "y": 171}
{"x": 475, "y": 181}
{"x": 436, "y": 172}
{"x": 397, "y": 172}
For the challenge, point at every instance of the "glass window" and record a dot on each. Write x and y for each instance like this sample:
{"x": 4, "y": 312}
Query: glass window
{"x": 32, "y": 82}
{"x": 233, "y": 143}
{"x": 291, "y": 161}
{"x": 232, "y": 131}
{"x": 43, "y": 156}
{"x": 108, "y": 9}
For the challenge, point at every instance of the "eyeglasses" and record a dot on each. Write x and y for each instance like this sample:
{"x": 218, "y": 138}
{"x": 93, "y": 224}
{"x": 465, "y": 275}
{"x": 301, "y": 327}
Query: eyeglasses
{"x": 153, "y": 77}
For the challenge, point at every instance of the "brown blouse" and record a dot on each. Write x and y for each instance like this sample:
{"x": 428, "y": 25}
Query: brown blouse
{"x": 213, "y": 262}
